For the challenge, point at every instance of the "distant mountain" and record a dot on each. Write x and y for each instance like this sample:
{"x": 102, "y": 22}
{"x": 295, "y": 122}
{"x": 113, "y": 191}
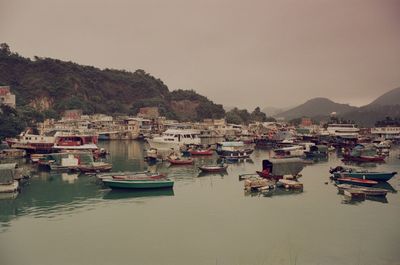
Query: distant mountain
{"x": 387, "y": 105}
{"x": 272, "y": 111}
{"x": 389, "y": 98}
{"x": 315, "y": 107}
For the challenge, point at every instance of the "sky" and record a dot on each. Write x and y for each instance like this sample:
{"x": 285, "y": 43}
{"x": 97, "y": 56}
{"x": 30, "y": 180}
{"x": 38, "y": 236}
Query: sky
{"x": 238, "y": 53}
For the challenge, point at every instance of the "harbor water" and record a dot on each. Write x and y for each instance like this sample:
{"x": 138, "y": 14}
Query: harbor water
{"x": 68, "y": 218}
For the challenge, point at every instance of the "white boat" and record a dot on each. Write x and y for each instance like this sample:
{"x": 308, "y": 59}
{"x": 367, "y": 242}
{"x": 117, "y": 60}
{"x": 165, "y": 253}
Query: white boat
{"x": 345, "y": 130}
{"x": 174, "y": 139}
{"x": 290, "y": 151}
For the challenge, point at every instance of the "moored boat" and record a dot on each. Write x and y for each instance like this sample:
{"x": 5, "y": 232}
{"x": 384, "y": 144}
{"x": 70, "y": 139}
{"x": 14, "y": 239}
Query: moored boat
{"x": 340, "y": 171}
{"x": 181, "y": 161}
{"x": 356, "y": 181}
{"x": 139, "y": 184}
{"x": 213, "y": 168}
{"x": 201, "y": 152}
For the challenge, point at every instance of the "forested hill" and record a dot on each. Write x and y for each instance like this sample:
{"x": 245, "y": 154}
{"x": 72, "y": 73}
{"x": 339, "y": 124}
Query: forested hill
{"x": 51, "y": 86}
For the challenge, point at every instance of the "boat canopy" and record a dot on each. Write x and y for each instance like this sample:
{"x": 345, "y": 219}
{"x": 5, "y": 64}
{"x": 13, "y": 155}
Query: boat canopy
{"x": 7, "y": 173}
{"x": 363, "y": 150}
{"x": 282, "y": 167}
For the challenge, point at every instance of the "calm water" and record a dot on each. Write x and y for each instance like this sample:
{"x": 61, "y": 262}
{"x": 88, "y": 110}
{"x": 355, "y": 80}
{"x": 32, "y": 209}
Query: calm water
{"x": 71, "y": 219}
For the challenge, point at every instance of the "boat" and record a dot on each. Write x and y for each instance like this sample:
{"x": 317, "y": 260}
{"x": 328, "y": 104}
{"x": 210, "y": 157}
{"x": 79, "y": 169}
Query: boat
{"x": 174, "y": 139}
{"x": 138, "y": 184}
{"x": 213, "y": 168}
{"x": 8, "y": 184}
{"x": 339, "y": 172}
{"x": 32, "y": 143}
{"x": 366, "y": 190}
{"x": 356, "y": 181}
{"x": 95, "y": 167}
{"x": 201, "y": 152}
{"x": 343, "y": 130}
{"x": 317, "y": 151}
{"x": 130, "y": 175}
{"x": 66, "y": 160}
{"x": 290, "y": 151}
{"x": 234, "y": 150}
{"x": 277, "y": 168}
{"x": 361, "y": 153}
{"x": 76, "y": 141}
{"x": 181, "y": 161}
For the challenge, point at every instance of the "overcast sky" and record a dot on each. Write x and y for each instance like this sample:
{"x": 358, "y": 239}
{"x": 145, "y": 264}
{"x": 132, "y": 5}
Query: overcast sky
{"x": 238, "y": 53}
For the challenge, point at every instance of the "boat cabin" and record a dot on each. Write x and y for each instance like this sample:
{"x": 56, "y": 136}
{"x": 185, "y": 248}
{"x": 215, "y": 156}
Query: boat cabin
{"x": 277, "y": 168}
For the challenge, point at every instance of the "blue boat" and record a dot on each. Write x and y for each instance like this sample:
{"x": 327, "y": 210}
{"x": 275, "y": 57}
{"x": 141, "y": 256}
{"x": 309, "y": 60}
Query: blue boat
{"x": 340, "y": 172}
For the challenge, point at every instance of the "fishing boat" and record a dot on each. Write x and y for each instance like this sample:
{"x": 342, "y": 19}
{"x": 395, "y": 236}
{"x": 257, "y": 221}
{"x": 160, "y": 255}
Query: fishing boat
{"x": 277, "y": 168}
{"x": 95, "y": 167}
{"x": 356, "y": 181}
{"x": 366, "y": 190}
{"x": 339, "y": 172}
{"x": 213, "y": 168}
{"x": 32, "y": 142}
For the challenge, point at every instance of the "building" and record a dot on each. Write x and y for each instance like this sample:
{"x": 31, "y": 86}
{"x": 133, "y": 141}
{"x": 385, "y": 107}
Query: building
{"x": 6, "y": 97}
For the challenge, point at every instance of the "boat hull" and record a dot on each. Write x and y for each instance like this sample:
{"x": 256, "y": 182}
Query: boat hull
{"x": 134, "y": 184}
{"x": 377, "y": 176}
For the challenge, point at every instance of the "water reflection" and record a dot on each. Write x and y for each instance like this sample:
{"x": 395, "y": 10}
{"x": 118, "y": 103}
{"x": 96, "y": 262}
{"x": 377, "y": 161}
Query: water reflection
{"x": 129, "y": 194}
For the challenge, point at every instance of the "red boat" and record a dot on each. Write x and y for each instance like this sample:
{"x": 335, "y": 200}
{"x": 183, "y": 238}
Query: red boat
{"x": 179, "y": 161}
{"x": 356, "y": 181}
{"x": 201, "y": 152}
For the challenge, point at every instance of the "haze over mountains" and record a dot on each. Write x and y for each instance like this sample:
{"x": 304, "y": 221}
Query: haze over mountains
{"x": 386, "y": 105}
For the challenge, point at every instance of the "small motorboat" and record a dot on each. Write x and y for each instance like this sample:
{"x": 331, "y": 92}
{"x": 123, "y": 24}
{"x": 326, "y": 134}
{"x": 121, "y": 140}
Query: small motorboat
{"x": 181, "y": 161}
{"x": 213, "y": 168}
{"x": 366, "y": 190}
{"x": 339, "y": 172}
{"x": 131, "y": 175}
{"x": 177, "y": 160}
{"x": 201, "y": 152}
{"x": 139, "y": 183}
{"x": 356, "y": 181}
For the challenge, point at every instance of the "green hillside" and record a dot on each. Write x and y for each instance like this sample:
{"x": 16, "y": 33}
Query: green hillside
{"x": 51, "y": 86}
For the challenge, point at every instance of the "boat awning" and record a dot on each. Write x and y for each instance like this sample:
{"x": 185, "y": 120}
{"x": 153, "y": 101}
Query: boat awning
{"x": 7, "y": 172}
{"x": 282, "y": 167}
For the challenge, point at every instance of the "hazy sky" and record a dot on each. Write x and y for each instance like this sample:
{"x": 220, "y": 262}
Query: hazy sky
{"x": 238, "y": 53}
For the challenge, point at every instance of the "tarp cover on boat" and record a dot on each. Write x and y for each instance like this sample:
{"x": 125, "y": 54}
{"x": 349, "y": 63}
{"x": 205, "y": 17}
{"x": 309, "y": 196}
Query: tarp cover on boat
{"x": 361, "y": 150}
{"x": 7, "y": 172}
{"x": 285, "y": 166}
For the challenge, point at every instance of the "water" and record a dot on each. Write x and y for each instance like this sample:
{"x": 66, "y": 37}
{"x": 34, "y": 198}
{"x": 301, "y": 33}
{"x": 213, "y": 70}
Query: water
{"x": 71, "y": 219}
